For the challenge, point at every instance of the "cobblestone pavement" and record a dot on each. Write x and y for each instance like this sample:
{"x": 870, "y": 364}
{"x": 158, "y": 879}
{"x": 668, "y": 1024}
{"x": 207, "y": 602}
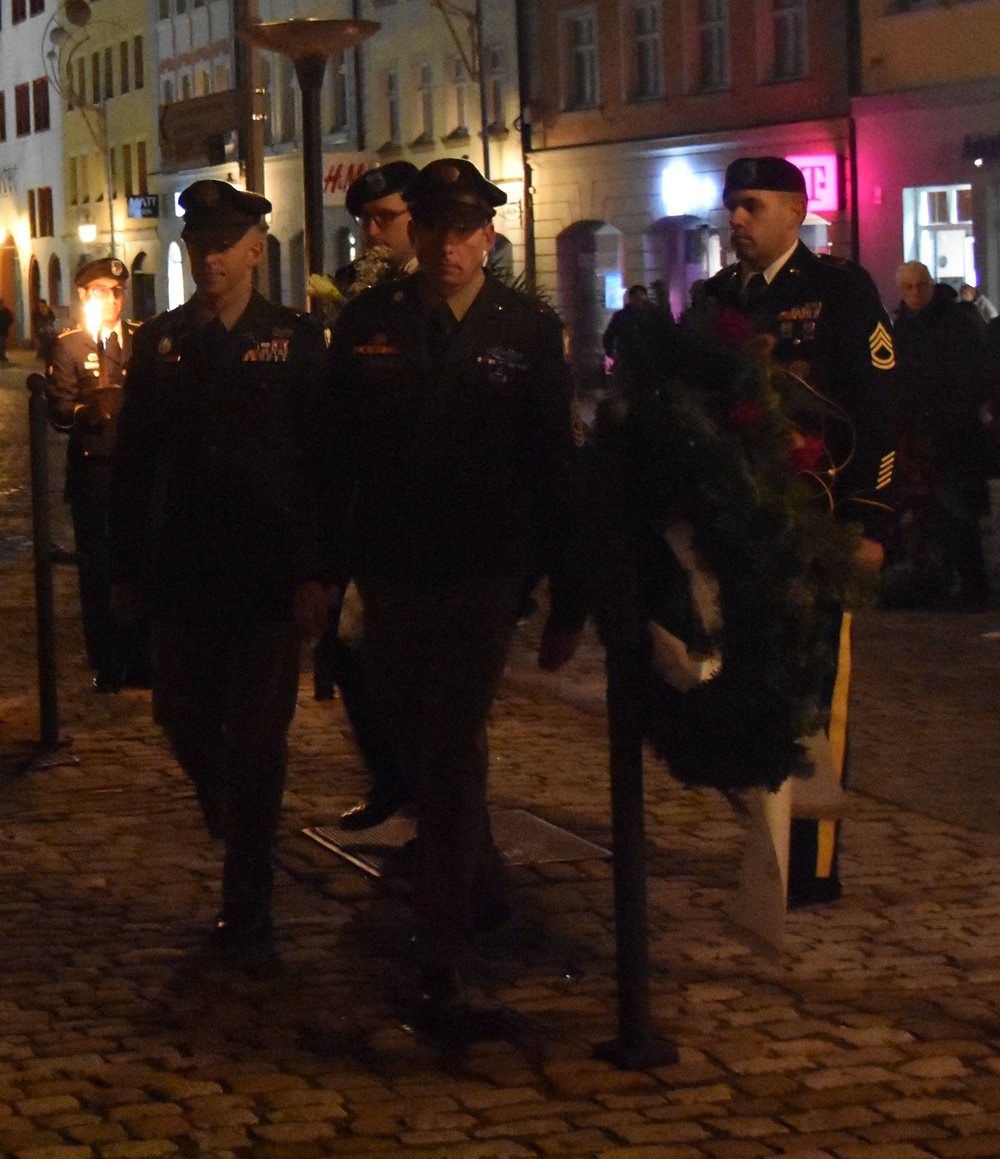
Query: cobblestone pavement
{"x": 874, "y": 1036}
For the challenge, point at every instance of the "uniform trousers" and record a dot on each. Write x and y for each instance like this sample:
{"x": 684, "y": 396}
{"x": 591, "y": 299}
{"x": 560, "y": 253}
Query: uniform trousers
{"x": 89, "y": 508}
{"x": 433, "y": 658}
{"x": 225, "y": 695}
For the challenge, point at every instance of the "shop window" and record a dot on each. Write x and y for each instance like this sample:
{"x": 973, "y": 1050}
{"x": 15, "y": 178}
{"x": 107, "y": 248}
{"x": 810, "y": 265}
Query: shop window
{"x": 582, "y": 84}
{"x": 938, "y": 231}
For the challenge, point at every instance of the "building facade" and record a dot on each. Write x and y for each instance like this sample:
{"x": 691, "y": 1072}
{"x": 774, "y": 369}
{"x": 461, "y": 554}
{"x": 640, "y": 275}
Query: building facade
{"x": 928, "y": 140}
{"x": 32, "y": 219}
{"x": 637, "y": 108}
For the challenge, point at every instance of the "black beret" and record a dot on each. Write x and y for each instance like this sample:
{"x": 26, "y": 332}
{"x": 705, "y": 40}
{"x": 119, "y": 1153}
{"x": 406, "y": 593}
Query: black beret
{"x": 764, "y": 173}
{"x": 220, "y": 208}
{"x": 453, "y": 187}
{"x": 101, "y": 268}
{"x": 375, "y": 184}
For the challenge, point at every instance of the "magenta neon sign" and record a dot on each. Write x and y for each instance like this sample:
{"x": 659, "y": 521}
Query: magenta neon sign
{"x": 822, "y": 187}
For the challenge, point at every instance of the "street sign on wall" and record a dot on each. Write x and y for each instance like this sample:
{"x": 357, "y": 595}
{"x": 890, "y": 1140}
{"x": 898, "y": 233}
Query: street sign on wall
{"x": 146, "y": 205}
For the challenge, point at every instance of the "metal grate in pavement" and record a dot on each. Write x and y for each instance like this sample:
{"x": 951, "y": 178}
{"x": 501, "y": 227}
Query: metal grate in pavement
{"x": 521, "y": 837}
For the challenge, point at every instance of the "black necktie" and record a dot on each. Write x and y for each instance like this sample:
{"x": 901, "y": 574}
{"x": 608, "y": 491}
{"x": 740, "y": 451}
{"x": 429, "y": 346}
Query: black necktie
{"x": 441, "y": 323}
{"x": 754, "y": 290}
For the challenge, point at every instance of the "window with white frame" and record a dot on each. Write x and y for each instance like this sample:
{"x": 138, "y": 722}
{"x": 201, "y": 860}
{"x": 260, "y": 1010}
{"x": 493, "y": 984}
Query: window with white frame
{"x": 459, "y": 99}
{"x": 393, "y": 108}
{"x": 713, "y": 44}
{"x": 648, "y": 82}
{"x": 425, "y": 104}
{"x": 582, "y": 78}
{"x": 496, "y": 89}
{"x": 789, "y": 25}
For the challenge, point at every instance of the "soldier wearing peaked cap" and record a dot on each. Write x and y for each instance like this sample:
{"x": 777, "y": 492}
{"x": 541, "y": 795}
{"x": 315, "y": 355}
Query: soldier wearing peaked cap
{"x": 830, "y": 328}
{"x": 212, "y": 529}
{"x": 86, "y": 375}
{"x": 451, "y": 430}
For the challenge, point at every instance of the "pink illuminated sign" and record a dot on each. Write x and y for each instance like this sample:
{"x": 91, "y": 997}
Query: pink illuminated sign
{"x": 820, "y": 172}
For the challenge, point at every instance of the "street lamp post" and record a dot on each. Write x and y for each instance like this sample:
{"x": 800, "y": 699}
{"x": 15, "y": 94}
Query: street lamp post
{"x": 309, "y": 43}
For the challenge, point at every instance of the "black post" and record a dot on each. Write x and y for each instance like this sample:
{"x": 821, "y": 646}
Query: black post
{"x": 635, "y": 1048}
{"x": 45, "y": 615}
{"x": 310, "y": 71}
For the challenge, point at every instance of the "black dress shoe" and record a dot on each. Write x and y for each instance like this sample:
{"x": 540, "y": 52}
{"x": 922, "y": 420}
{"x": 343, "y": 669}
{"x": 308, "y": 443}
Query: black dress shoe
{"x": 107, "y": 681}
{"x": 244, "y": 941}
{"x": 367, "y": 814}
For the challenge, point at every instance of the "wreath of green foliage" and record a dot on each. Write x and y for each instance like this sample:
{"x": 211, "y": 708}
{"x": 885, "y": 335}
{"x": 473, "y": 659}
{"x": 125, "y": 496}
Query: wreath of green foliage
{"x": 705, "y": 437}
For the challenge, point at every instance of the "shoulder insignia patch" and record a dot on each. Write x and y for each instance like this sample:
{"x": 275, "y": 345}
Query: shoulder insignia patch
{"x": 885, "y": 470}
{"x": 880, "y": 344}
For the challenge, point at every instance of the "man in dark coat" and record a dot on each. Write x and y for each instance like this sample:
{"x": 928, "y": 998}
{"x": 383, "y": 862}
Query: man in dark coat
{"x": 940, "y": 343}
{"x": 376, "y": 200}
{"x": 6, "y": 321}
{"x": 213, "y": 528}
{"x": 452, "y": 430}
{"x": 85, "y": 380}
{"x": 830, "y": 329}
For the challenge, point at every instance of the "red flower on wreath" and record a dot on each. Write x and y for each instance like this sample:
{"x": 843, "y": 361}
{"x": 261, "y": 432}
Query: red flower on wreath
{"x": 732, "y": 327}
{"x": 805, "y": 454}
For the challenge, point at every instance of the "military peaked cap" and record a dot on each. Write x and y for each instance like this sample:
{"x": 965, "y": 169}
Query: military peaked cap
{"x": 374, "y": 184}
{"x": 219, "y": 208}
{"x": 101, "y": 268}
{"x": 764, "y": 173}
{"x": 455, "y": 189}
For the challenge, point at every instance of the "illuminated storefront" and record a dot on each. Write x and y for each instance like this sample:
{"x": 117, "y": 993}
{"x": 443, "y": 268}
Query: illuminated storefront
{"x": 936, "y": 198}
{"x": 616, "y": 214}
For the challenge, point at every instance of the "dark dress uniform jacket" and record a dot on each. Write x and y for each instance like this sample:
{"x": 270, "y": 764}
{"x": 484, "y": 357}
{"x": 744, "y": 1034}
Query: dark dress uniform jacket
{"x": 825, "y": 315}
{"x": 461, "y": 449}
{"x": 211, "y": 502}
{"x": 76, "y": 404}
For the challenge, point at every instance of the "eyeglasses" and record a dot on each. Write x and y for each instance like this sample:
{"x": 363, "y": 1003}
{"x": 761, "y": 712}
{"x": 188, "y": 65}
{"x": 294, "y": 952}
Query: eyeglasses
{"x": 380, "y": 217}
{"x": 104, "y": 292}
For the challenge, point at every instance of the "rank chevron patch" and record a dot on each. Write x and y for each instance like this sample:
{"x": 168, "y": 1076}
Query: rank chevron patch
{"x": 880, "y": 343}
{"x": 885, "y": 470}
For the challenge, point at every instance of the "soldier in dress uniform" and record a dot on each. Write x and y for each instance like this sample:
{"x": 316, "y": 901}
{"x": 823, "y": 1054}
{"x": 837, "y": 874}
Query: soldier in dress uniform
{"x": 376, "y": 200}
{"x": 213, "y": 529}
{"x": 84, "y": 394}
{"x": 830, "y": 328}
{"x": 452, "y": 430}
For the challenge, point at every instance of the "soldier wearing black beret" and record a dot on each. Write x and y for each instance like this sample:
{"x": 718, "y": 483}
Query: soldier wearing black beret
{"x": 85, "y": 379}
{"x": 375, "y": 199}
{"x": 451, "y": 432}
{"x": 213, "y": 531}
{"x": 830, "y": 327}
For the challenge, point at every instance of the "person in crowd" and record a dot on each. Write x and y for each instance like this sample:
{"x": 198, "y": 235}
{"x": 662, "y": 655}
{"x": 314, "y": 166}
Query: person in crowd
{"x": 86, "y": 375}
{"x": 628, "y": 324}
{"x": 44, "y": 325}
{"x": 6, "y": 321}
{"x": 451, "y": 427}
{"x": 940, "y": 344}
{"x": 214, "y": 529}
{"x": 376, "y": 200}
{"x": 978, "y": 299}
{"x": 828, "y": 324}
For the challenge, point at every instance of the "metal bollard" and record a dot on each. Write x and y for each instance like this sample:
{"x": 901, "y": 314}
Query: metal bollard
{"x": 45, "y": 557}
